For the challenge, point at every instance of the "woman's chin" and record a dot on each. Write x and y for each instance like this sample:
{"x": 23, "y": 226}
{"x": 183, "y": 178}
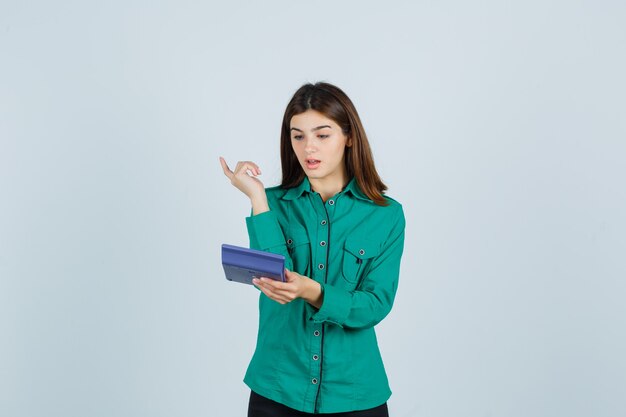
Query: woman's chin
{"x": 312, "y": 173}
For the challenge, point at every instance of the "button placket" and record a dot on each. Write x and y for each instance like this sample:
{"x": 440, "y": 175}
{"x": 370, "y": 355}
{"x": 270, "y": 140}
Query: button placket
{"x": 321, "y": 255}
{"x": 322, "y": 249}
{"x": 316, "y": 357}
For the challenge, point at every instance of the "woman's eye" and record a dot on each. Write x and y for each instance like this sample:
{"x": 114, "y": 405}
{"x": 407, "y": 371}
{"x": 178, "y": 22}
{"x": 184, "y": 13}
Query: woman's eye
{"x": 298, "y": 137}
{"x": 324, "y": 136}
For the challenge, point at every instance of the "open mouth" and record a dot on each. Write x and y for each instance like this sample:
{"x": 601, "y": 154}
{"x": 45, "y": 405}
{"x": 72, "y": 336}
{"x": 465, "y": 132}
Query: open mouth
{"x": 312, "y": 163}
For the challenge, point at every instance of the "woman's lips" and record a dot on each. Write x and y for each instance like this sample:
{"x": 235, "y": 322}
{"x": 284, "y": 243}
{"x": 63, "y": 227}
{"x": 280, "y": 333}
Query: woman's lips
{"x": 312, "y": 163}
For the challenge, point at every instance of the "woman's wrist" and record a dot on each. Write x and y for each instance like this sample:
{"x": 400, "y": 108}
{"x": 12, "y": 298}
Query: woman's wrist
{"x": 312, "y": 293}
{"x": 259, "y": 204}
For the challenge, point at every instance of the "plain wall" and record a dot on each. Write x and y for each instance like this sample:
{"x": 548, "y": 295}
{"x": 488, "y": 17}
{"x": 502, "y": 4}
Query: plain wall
{"x": 499, "y": 125}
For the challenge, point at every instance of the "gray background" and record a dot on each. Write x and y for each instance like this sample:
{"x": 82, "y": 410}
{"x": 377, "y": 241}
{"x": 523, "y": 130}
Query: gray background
{"x": 499, "y": 125}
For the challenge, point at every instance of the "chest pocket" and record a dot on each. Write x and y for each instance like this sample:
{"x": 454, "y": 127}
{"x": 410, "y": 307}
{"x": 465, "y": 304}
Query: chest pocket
{"x": 299, "y": 249}
{"x": 357, "y": 255}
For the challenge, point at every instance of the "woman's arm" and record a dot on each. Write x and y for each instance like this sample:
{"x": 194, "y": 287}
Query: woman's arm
{"x": 265, "y": 234}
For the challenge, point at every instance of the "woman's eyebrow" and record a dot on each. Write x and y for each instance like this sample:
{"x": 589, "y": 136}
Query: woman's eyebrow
{"x": 314, "y": 129}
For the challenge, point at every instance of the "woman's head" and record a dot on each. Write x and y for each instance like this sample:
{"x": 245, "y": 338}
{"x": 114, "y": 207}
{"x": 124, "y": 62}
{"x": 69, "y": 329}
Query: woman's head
{"x": 323, "y": 104}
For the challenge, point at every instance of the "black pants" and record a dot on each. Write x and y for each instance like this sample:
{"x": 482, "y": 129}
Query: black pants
{"x": 260, "y": 406}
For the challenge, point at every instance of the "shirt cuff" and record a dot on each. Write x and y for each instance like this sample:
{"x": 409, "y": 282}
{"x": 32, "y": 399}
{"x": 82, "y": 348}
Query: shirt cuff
{"x": 335, "y": 306}
{"x": 264, "y": 231}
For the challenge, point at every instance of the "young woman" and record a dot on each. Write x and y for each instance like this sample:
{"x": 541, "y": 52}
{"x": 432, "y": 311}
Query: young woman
{"x": 342, "y": 239}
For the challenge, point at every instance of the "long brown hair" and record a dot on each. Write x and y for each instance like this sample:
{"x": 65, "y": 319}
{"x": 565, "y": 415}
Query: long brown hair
{"x": 333, "y": 103}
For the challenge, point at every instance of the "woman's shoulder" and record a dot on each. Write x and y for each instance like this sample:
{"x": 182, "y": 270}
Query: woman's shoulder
{"x": 394, "y": 208}
{"x": 392, "y": 202}
{"x": 392, "y": 205}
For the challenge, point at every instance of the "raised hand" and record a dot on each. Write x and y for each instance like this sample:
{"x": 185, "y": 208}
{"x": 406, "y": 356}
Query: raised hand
{"x": 244, "y": 178}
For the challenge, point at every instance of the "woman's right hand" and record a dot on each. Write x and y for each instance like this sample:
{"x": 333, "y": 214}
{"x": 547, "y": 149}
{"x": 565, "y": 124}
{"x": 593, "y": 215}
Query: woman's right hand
{"x": 246, "y": 183}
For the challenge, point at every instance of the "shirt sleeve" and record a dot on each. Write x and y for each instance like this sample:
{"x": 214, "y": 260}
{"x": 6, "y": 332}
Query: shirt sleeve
{"x": 266, "y": 234}
{"x": 372, "y": 301}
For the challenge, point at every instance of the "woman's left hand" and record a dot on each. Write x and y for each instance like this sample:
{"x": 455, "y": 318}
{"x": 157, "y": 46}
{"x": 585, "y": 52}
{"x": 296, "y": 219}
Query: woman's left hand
{"x": 296, "y": 286}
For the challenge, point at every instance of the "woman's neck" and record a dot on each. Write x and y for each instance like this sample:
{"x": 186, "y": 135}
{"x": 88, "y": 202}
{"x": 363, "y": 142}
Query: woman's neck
{"x": 328, "y": 187}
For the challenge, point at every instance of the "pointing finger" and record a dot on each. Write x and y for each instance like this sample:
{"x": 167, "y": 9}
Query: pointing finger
{"x": 225, "y": 168}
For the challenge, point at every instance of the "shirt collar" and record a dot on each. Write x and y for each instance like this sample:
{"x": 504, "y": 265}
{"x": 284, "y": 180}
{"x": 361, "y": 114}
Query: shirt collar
{"x": 352, "y": 187}
{"x": 297, "y": 191}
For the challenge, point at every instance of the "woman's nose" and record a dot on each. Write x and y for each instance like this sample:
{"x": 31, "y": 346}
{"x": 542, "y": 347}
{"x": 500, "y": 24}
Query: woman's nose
{"x": 309, "y": 146}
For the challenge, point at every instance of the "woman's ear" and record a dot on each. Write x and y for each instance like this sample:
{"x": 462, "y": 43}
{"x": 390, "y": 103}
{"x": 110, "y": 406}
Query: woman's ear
{"x": 349, "y": 141}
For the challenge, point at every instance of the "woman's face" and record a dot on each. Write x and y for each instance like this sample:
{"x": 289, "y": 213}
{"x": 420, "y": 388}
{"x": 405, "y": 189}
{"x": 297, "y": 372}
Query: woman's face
{"x": 319, "y": 145}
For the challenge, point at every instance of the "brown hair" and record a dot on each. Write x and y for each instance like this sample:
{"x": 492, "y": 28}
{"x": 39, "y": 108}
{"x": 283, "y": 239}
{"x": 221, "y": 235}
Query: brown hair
{"x": 333, "y": 103}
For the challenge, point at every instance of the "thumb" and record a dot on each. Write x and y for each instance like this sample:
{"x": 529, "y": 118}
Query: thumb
{"x": 290, "y": 276}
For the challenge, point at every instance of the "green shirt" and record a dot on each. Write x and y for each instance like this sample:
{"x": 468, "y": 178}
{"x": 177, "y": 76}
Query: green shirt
{"x": 327, "y": 360}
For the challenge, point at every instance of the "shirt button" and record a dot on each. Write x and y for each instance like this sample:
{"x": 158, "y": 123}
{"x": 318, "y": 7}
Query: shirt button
{"x": 323, "y": 222}
{"x": 321, "y": 266}
{"x": 362, "y": 252}
{"x": 316, "y": 333}
{"x": 331, "y": 202}
{"x": 315, "y": 357}
{"x": 314, "y": 381}
{"x": 289, "y": 241}
{"x": 322, "y": 243}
